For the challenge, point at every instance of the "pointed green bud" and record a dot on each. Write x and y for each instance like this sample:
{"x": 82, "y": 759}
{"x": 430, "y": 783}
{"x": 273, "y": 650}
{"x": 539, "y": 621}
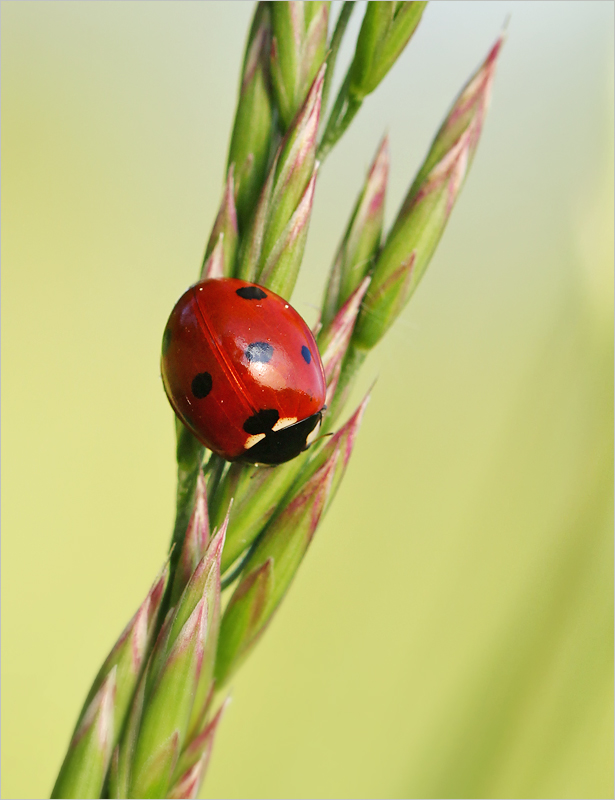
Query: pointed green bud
{"x": 225, "y": 227}
{"x": 288, "y": 30}
{"x": 361, "y": 241}
{"x": 294, "y": 166}
{"x": 297, "y": 51}
{"x": 257, "y": 493}
{"x": 286, "y": 187}
{"x": 466, "y": 116}
{"x": 426, "y": 209}
{"x": 189, "y": 784}
{"x": 83, "y": 772}
{"x": 166, "y": 710}
{"x": 153, "y": 776}
{"x": 334, "y": 339}
{"x": 213, "y": 266}
{"x": 249, "y": 257}
{"x": 282, "y": 266}
{"x": 383, "y": 305}
{"x": 160, "y": 649}
{"x": 341, "y": 443}
{"x": 130, "y": 650}
{"x": 211, "y": 593}
{"x": 178, "y": 678}
{"x": 203, "y": 584}
{"x": 126, "y": 659}
{"x": 194, "y": 759}
{"x": 243, "y": 619}
{"x": 385, "y": 31}
{"x": 119, "y": 768}
{"x": 195, "y": 542}
{"x": 270, "y": 570}
{"x": 254, "y": 127}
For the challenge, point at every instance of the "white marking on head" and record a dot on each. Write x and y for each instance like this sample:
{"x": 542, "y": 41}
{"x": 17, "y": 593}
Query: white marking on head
{"x": 314, "y": 434}
{"x": 252, "y": 440}
{"x": 284, "y": 423}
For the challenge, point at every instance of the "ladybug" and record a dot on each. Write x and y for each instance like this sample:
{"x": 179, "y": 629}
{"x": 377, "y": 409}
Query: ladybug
{"x": 242, "y": 371}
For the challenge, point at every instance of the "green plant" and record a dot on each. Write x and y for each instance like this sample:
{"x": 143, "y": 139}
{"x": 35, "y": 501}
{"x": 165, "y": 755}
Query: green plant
{"x": 148, "y": 724}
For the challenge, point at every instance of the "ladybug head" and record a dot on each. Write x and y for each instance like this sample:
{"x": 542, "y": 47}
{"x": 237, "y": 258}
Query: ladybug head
{"x": 277, "y": 446}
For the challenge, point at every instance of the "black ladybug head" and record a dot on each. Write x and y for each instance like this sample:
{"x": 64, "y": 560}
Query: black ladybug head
{"x": 276, "y": 446}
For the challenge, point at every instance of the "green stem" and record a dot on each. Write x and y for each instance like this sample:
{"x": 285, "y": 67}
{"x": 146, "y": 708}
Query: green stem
{"x": 343, "y": 112}
{"x": 189, "y": 458}
{"x": 334, "y": 46}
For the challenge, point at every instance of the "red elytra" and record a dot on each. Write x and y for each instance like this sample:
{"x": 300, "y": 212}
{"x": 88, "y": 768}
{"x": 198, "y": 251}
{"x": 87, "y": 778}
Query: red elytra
{"x": 242, "y": 371}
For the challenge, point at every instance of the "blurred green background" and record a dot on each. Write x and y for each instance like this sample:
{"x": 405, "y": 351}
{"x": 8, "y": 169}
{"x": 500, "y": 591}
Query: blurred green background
{"x": 450, "y": 632}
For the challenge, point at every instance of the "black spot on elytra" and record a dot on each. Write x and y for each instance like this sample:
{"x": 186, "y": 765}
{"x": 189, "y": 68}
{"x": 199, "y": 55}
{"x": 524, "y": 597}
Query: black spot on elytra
{"x": 201, "y": 385}
{"x": 251, "y": 293}
{"x": 261, "y": 422}
{"x": 166, "y": 340}
{"x": 259, "y": 351}
{"x": 307, "y": 356}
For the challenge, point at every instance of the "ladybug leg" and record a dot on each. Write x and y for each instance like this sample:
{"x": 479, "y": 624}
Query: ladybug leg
{"x": 317, "y": 439}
